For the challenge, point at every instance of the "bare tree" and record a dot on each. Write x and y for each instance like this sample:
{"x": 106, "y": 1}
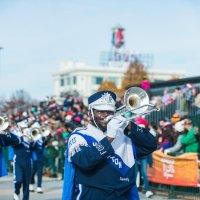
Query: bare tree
{"x": 19, "y": 101}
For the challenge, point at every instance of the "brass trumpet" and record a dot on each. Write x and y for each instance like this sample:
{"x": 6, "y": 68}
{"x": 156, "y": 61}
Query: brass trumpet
{"x": 35, "y": 132}
{"x": 136, "y": 102}
{"x": 42, "y": 131}
{"x": 45, "y": 131}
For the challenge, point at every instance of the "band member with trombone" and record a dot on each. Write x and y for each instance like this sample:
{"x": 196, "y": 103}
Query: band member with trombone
{"x": 100, "y": 158}
{"x": 21, "y": 142}
{"x": 22, "y": 160}
{"x": 40, "y": 138}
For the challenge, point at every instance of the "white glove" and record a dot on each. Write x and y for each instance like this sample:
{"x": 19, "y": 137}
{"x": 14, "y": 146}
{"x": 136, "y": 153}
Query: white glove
{"x": 115, "y": 124}
{"x": 37, "y": 137}
{"x": 27, "y": 135}
{"x": 27, "y": 138}
{"x": 166, "y": 151}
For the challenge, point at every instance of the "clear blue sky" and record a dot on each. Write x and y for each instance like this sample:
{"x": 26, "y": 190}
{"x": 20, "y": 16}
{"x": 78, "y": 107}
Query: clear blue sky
{"x": 37, "y": 35}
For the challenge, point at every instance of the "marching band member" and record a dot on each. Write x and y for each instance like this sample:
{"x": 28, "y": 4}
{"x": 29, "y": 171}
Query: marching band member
{"x": 22, "y": 161}
{"x": 38, "y": 161}
{"x": 100, "y": 158}
{"x": 6, "y": 139}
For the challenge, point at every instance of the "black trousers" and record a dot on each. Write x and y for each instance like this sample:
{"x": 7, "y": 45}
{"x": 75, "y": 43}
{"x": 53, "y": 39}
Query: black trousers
{"x": 37, "y": 169}
{"x": 22, "y": 176}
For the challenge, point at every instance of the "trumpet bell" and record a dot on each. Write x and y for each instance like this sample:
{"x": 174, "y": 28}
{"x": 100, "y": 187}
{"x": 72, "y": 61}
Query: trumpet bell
{"x": 4, "y": 123}
{"x": 35, "y": 132}
{"x": 136, "y": 100}
{"x": 45, "y": 131}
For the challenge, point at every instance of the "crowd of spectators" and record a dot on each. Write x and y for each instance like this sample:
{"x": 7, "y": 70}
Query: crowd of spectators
{"x": 61, "y": 120}
{"x": 185, "y": 98}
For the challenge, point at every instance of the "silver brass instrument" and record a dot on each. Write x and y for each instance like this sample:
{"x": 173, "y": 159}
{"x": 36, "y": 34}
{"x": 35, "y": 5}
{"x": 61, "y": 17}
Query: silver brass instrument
{"x": 136, "y": 102}
{"x": 4, "y": 123}
{"x": 45, "y": 131}
{"x": 42, "y": 131}
{"x": 35, "y": 132}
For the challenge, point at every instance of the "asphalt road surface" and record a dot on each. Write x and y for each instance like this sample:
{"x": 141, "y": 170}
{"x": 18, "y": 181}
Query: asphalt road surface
{"x": 52, "y": 190}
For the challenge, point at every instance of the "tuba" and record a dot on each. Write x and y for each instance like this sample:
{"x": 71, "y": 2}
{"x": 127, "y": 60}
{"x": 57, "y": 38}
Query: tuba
{"x": 136, "y": 103}
{"x": 4, "y": 123}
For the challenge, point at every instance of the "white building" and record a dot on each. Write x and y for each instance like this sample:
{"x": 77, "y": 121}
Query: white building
{"x": 85, "y": 79}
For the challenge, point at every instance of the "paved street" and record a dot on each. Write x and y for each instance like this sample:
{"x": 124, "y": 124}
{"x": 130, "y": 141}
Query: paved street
{"x": 52, "y": 190}
{"x": 51, "y": 186}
